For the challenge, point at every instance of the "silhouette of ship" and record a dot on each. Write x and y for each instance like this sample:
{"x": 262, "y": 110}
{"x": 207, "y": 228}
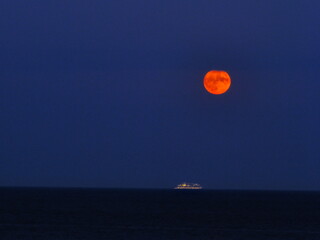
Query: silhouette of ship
{"x": 188, "y": 186}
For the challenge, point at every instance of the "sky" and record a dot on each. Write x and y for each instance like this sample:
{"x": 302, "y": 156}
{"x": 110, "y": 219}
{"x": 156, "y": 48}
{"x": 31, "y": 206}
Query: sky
{"x": 110, "y": 94}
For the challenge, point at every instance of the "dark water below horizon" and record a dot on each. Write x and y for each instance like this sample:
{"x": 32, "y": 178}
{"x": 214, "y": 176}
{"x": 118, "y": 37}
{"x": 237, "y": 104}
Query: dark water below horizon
{"x": 68, "y": 214}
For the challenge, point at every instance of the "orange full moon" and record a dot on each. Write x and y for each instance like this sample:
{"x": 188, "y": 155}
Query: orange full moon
{"x": 217, "y": 82}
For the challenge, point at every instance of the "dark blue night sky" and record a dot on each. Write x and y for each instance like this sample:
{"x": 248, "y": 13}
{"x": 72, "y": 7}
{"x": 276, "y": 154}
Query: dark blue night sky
{"x": 110, "y": 94}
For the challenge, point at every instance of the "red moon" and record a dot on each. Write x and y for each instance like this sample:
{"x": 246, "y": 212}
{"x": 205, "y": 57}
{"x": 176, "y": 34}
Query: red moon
{"x": 217, "y": 82}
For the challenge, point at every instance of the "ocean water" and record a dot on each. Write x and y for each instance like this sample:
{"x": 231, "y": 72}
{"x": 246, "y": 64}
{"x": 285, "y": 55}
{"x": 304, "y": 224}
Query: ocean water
{"x": 43, "y": 213}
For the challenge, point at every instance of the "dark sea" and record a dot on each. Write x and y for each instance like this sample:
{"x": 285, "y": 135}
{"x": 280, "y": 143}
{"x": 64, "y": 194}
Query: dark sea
{"x": 44, "y": 213}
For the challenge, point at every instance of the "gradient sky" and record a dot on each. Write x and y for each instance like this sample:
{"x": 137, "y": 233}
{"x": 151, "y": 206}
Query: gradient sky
{"x": 110, "y": 93}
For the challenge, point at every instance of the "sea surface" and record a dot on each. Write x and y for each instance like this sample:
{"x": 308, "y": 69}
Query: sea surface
{"x": 44, "y": 213}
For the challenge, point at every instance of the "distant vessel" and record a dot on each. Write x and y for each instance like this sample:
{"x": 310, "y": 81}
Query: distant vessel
{"x": 188, "y": 186}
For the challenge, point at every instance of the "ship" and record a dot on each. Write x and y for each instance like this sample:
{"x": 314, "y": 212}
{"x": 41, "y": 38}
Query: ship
{"x": 188, "y": 186}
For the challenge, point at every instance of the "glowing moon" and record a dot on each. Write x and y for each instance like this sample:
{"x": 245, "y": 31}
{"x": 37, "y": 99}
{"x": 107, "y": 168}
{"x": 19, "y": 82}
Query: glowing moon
{"x": 217, "y": 82}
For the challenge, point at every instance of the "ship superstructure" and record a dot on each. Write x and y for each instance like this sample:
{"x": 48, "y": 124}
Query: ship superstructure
{"x": 188, "y": 186}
